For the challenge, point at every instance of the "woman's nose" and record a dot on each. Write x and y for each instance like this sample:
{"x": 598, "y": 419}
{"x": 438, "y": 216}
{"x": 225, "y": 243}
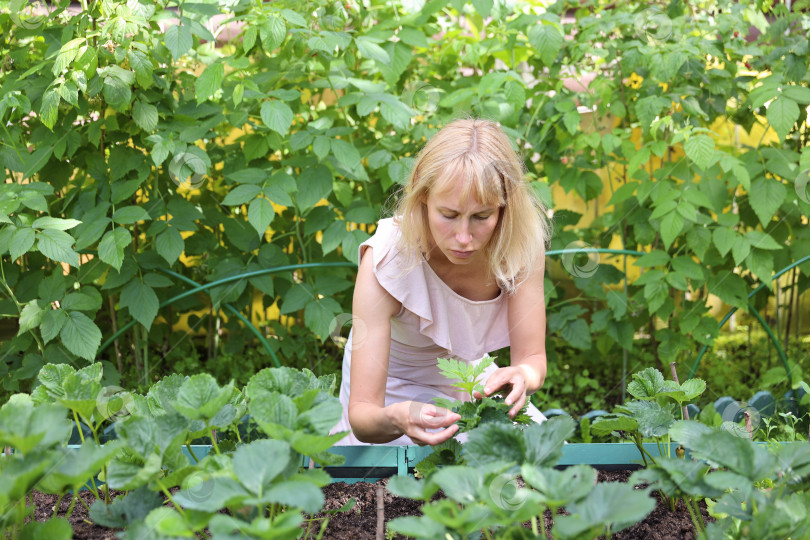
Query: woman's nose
{"x": 463, "y": 235}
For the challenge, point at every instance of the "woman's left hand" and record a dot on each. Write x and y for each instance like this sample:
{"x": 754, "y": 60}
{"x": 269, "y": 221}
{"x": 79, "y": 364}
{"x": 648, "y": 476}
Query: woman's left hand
{"x": 511, "y": 378}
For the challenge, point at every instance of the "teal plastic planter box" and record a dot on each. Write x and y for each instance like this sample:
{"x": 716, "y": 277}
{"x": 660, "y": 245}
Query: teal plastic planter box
{"x": 372, "y": 463}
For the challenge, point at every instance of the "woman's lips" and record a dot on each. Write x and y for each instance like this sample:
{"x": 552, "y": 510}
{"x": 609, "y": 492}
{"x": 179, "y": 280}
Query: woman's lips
{"x": 462, "y": 254}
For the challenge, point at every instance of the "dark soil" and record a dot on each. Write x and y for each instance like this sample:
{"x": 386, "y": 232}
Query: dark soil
{"x": 79, "y": 520}
{"x": 360, "y": 522}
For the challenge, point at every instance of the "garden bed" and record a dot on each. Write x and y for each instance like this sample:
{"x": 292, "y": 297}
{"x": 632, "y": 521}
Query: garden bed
{"x": 360, "y": 522}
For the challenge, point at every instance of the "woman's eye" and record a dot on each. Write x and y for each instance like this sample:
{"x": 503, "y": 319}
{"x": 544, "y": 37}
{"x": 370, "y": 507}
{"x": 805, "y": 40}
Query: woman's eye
{"x": 482, "y": 218}
{"x": 451, "y": 216}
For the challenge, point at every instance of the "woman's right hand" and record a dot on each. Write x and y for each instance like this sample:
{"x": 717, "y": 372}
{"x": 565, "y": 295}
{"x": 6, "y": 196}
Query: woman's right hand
{"x": 414, "y": 419}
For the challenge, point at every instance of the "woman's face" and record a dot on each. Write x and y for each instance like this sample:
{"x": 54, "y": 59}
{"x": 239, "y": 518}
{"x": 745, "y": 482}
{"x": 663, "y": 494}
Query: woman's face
{"x": 460, "y": 232}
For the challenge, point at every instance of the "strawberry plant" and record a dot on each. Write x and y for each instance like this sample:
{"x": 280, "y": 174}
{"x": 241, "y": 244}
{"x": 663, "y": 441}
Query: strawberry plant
{"x": 476, "y": 410}
{"x": 482, "y": 494}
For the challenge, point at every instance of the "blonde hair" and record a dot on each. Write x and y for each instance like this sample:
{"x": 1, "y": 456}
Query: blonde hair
{"x": 477, "y": 153}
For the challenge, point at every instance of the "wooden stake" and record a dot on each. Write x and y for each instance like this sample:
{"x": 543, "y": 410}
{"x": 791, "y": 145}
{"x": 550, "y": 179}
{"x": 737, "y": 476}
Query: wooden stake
{"x": 380, "y": 513}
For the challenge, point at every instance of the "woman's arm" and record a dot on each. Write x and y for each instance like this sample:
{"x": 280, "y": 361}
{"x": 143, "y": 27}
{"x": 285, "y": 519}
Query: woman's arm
{"x": 371, "y": 421}
{"x": 527, "y": 335}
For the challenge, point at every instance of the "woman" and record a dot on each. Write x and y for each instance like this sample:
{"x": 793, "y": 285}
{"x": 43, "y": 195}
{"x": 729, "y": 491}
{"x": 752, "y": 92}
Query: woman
{"x": 457, "y": 272}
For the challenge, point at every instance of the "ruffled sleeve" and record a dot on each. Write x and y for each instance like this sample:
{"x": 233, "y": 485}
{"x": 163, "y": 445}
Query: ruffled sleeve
{"x": 466, "y": 328}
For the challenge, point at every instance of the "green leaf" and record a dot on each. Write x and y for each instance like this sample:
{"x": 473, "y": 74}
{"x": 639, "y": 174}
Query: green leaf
{"x": 254, "y": 470}
{"x": 782, "y": 114}
{"x": 649, "y": 384}
{"x": 142, "y": 65}
{"x": 242, "y": 194}
{"x": 111, "y": 247}
{"x": 277, "y": 115}
{"x": 484, "y": 7}
{"x": 209, "y": 81}
{"x": 49, "y": 110}
{"x": 612, "y": 506}
{"x": 55, "y": 528}
{"x": 30, "y": 316}
{"x": 766, "y": 196}
{"x": 178, "y": 39}
{"x": 260, "y": 214}
{"x": 128, "y": 215}
{"x": 459, "y": 483}
{"x": 170, "y": 244}
{"x": 671, "y": 226}
{"x": 761, "y": 240}
{"x": 142, "y": 302}
{"x": 730, "y": 288}
{"x": 25, "y": 426}
{"x": 578, "y": 334}
{"x": 21, "y": 242}
{"x": 52, "y": 323}
{"x": 346, "y": 153}
{"x": 314, "y": 183}
{"x": 201, "y": 398}
{"x": 700, "y": 149}
{"x": 371, "y": 50}
{"x": 653, "y": 419}
{"x": 547, "y": 41}
{"x": 80, "y": 335}
{"x": 656, "y": 257}
{"x": 59, "y": 224}
{"x": 723, "y": 238}
{"x": 319, "y": 313}
{"x": 740, "y": 249}
{"x": 57, "y": 246}
{"x": 145, "y": 115}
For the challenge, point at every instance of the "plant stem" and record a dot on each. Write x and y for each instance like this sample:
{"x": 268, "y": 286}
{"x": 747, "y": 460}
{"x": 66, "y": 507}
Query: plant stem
{"x": 72, "y": 505}
{"x": 213, "y": 440}
{"x": 698, "y": 528}
{"x": 56, "y": 507}
{"x": 169, "y": 496}
{"x": 190, "y": 451}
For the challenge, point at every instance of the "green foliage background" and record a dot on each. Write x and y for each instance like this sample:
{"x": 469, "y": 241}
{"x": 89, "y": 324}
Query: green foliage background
{"x": 135, "y": 141}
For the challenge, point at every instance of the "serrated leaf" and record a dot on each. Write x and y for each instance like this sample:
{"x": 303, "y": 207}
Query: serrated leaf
{"x": 80, "y": 335}
{"x": 49, "y": 110}
{"x": 766, "y": 196}
{"x": 723, "y": 238}
{"x": 242, "y": 194}
{"x": 178, "y": 39}
{"x": 31, "y": 316}
{"x": 371, "y": 50}
{"x": 260, "y": 215}
{"x": 142, "y": 302}
{"x": 170, "y": 244}
{"x": 145, "y": 115}
{"x": 59, "y": 224}
{"x": 547, "y": 41}
{"x": 209, "y": 81}
{"x": 277, "y": 116}
{"x": 128, "y": 215}
{"x": 699, "y": 149}
{"x": 782, "y": 114}
{"x": 57, "y": 246}
{"x": 111, "y": 247}
{"x": 671, "y": 226}
{"x": 21, "y": 242}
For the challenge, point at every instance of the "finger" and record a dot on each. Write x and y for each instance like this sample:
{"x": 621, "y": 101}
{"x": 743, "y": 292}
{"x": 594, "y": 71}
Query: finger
{"x": 441, "y": 436}
{"x": 519, "y": 405}
{"x": 436, "y": 417}
{"x": 493, "y": 384}
{"x": 518, "y": 390}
